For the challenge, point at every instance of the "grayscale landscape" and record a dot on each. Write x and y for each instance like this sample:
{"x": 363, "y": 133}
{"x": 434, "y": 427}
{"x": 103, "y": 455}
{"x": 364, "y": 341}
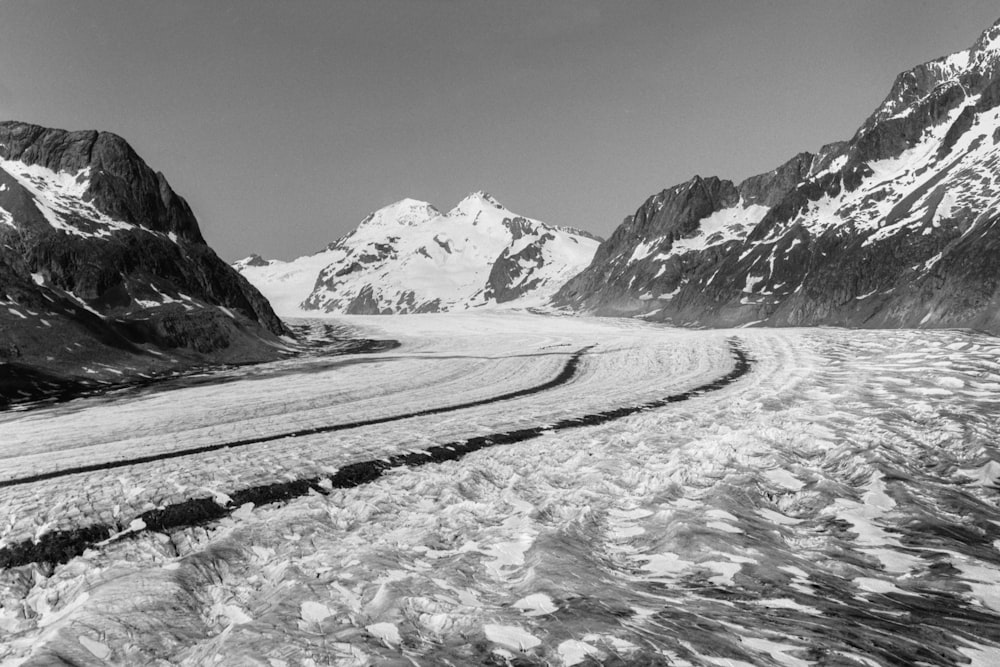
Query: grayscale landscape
{"x": 755, "y": 423}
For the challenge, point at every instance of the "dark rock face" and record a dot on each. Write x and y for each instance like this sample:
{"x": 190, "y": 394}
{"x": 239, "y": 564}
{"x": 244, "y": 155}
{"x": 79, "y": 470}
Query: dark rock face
{"x": 507, "y": 275}
{"x": 614, "y": 281}
{"x": 255, "y": 260}
{"x": 895, "y": 227}
{"x": 98, "y": 255}
{"x": 121, "y": 185}
{"x": 770, "y": 188}
{"x": 364, "y": 303}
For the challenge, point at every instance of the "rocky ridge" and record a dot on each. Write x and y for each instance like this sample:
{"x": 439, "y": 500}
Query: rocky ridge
{"x": 104, "y": 272}
{"x": 894, "y": 227}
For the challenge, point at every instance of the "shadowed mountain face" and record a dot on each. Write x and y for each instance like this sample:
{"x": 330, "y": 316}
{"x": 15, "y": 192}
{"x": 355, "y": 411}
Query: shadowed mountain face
{"x": 895, "y": 227}
{"x": 104, "y": 272}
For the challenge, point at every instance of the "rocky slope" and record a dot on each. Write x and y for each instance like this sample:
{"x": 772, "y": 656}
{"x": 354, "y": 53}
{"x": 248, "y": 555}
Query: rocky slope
{"x": 895, "y": 227}
{"x": 410, "y": 258}
{"x": 104, "y": 273}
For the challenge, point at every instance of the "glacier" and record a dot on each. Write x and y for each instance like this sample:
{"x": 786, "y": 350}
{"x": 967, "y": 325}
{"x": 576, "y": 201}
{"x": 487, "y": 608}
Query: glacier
{"x": 835, "y": 504}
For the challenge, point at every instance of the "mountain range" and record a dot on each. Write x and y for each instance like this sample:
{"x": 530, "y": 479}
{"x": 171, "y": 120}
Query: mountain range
{"x": 409, "y": 257}
{"x": 895, "y": 227}
{"x": 105, "y": 275}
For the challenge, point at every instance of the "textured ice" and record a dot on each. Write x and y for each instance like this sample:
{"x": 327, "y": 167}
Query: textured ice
{"x": 510, "y": 636}
{"x": 387, "y": 632}
{"x": 536, "y": 604}
{"x": 813, "y": 512}
{"x": 573, "y": 652}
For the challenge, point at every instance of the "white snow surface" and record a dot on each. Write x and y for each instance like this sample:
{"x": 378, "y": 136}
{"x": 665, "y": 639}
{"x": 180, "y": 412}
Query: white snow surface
{"x": 409, "y": 257}
{"x": 837, "y": 500}
{"x": 726, "y": 224}
{"x": 58, "y": 196}
{"x": 287, "y": 284}
{"x": 61, "y": 199}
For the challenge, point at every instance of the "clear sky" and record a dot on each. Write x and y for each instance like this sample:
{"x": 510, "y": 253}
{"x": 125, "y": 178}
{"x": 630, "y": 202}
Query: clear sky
{"x": 285, "y": 123}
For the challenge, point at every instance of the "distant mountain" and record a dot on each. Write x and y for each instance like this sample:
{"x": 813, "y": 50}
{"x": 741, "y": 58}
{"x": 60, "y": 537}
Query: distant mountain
{"x": 895, "y": 227}
{"x": 410, "y": 258}
{"x": 285, "y": 284}
{"x": 104, "y": 272}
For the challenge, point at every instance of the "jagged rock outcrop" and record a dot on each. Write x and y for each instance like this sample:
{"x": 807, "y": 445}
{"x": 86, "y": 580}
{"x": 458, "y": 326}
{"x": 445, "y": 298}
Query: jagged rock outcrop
{"x": 893, "y": 227}
{"x": 103, "y": 268}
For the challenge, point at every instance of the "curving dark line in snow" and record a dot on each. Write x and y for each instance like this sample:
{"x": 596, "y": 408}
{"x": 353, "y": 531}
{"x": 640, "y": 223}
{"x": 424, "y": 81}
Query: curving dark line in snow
{"x": 23, "y": 387}
{"x": 568, "y": 371}
{"x": 61, "y": 546}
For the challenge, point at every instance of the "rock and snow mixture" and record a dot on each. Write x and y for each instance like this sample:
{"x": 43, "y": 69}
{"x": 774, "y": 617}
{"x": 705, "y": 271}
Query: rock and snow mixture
{"x": 410, "y": 258}
{"x": 838, "y": 504}
{"x": 895, "y": 227}
{"x": 105, "y": 277}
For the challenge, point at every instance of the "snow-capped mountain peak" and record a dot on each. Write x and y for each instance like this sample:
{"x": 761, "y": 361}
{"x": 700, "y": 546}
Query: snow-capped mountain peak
{"x": 408, "y": 257}
{"x": 476, "y": 254}
{"x": 481, "y": 196}
{"x": 477, "y": 202}
{"x": 405, "y": 212}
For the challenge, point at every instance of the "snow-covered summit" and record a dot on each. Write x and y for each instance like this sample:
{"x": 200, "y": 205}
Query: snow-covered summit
{"x": 409, "y": 257}
{"x": 478, "y": 253}
{"x": 405, "y": 212}
{"x": 477, "y": 202}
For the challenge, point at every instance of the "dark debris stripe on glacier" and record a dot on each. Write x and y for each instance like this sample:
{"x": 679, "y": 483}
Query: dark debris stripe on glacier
{"x": 25, "y": 388}
{"x": 61, "y": 546}
{"x": 568, "y": 371}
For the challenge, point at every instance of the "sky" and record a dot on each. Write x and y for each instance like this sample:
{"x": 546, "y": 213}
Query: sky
{"x": 284, "y": 123}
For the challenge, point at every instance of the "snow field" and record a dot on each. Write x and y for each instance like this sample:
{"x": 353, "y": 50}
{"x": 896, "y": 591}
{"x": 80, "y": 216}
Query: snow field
{"x": 287, "y": 284}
